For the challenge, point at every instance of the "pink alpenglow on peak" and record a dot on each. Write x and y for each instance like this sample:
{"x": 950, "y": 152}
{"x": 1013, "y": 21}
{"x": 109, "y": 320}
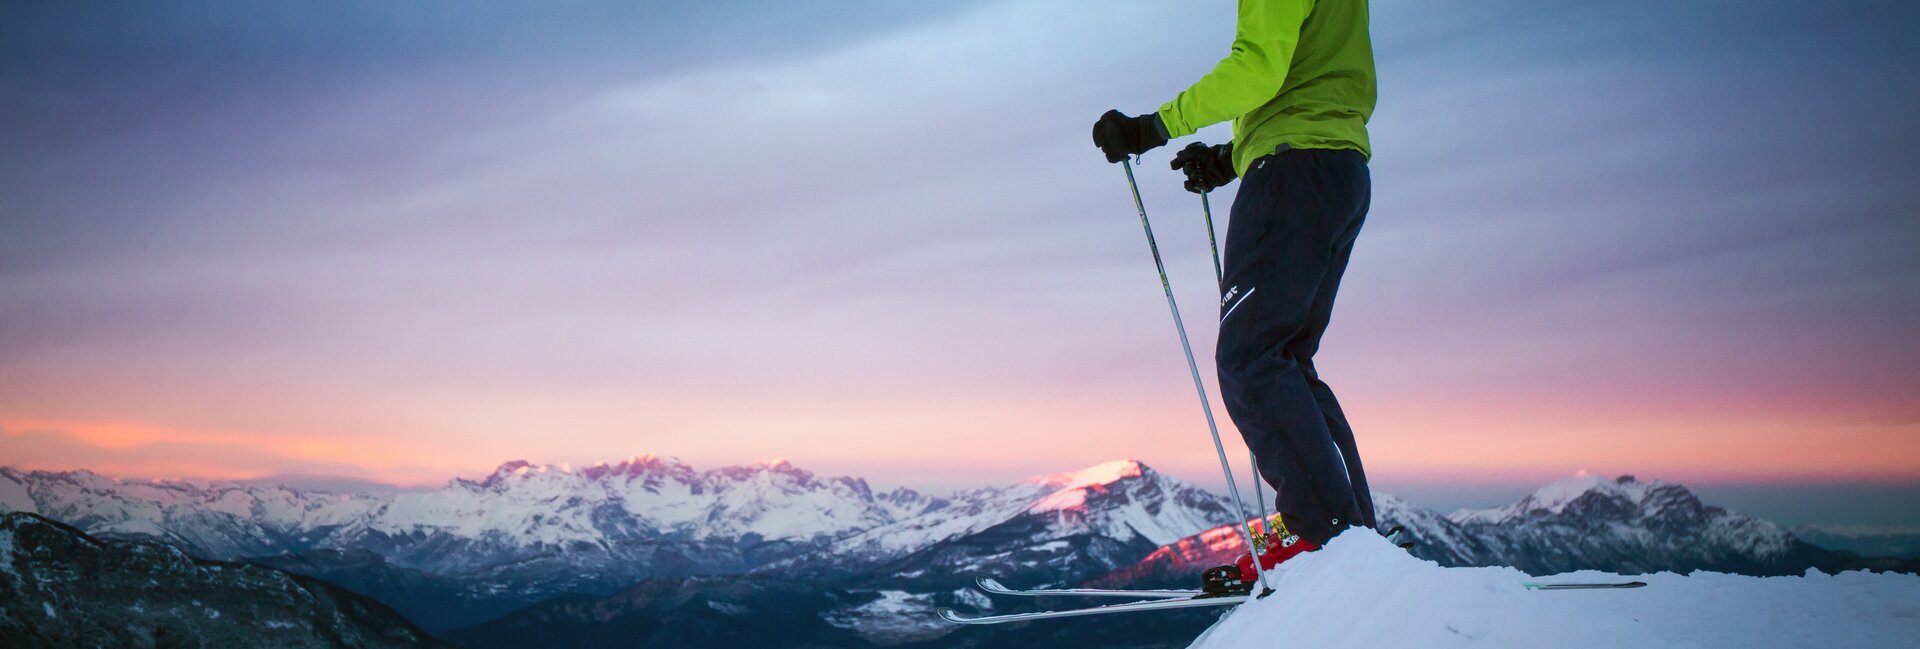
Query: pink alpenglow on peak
{"x": 1098, "y": 474}
{"x": 1073, "y": 488}
{"x": 779, "y": 465}
{"x": 639, "y": 465}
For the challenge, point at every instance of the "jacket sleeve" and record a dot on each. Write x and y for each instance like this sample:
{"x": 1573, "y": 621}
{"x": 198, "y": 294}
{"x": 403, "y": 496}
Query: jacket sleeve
{"x": 1263, "y": 44}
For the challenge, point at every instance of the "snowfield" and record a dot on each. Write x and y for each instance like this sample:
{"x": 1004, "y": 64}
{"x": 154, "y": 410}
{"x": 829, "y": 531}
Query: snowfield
{"x": 1361, "y": 591}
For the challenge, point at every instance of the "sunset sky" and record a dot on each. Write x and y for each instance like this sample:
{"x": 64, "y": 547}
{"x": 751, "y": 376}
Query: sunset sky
{"x": 408, "y": 241}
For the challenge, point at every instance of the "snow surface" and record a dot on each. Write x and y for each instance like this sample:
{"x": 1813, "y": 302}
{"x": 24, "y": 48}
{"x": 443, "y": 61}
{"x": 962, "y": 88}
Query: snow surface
{"x": 896, "y": 616}
{"x": 1361, "y": 591}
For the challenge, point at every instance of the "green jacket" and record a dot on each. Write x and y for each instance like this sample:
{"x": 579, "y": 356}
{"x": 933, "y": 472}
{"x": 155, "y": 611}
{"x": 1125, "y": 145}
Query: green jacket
{"x": 1300, "y": 74}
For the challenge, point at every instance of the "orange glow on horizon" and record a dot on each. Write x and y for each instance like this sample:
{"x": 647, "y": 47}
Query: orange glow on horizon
{"x": 213, "y": 454}
{"x": 895, "y": 448}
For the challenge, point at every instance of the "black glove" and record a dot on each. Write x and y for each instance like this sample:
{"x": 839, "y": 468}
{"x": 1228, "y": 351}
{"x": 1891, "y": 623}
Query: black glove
{"x": 1121, "y": 136}
{"x": 1207, "y": 167}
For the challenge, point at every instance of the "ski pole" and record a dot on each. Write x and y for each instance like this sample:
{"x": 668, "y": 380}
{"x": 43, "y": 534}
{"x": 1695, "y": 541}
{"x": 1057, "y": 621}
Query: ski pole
{"x": 1220, "y": 278}
{"x": 1233, "y": 488}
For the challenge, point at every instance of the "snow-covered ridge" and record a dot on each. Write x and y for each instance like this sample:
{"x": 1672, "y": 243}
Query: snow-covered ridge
{"x": 519, "y": 505}
{"x": 1124, "y": 501}
{"x": 535, "y": 530}
{"x": 60, "y": 587}
{"x": 527, "y": 531}
{"x": 532, "y": 531}
{"x": 627, "y": 520}
{"x": 616, "y": 513}
{"x": 1557, "y": 495}
{"x": 1619, "y": 524}
{"x": 1664, "y": 522}
{"x": 1367, "y": 593}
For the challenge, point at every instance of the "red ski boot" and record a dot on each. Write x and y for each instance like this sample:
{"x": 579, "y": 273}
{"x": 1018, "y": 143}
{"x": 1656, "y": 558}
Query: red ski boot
{"x": 1276, "y": 554}
{"x": 1238, "y": 579}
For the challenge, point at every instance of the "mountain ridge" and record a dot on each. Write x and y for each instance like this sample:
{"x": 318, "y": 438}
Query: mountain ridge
{"x": 61, "y": 587}
{"x": 1618, "y": 525}
{"x": 524, "y": 533}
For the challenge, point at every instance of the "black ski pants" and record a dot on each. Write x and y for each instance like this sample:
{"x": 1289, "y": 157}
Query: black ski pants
{"x": 1291, "y": 231}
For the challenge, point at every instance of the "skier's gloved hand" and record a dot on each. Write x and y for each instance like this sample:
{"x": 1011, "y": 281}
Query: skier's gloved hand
{"x": 1207, "y": 167}
{"x": 1120, "y": 136}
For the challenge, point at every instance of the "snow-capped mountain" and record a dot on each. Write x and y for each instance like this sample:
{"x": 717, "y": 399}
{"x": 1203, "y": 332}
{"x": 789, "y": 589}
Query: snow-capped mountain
{"x": 528, "y": 530}
{"x": 1093, "y": 519}
{"x": 475, "y": 549}
{"x": 1628, "y": 526}
{"x": 879, "y": 587}
{"x": 518, "y": 511}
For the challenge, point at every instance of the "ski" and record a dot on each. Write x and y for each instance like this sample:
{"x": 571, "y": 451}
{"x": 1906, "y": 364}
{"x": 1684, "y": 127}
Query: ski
{"x": 1161, "y": 600}
{"x": 994, "y": 587}
{"x": 1149, "y": 605}
{"x": 1621, "y": 584}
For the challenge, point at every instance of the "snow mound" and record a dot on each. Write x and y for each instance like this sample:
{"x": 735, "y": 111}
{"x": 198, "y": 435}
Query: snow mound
{"x": 1361, "y": 591}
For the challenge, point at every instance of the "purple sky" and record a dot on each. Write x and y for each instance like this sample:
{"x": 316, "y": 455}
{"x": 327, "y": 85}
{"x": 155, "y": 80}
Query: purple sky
{"x": 407, "y": 241}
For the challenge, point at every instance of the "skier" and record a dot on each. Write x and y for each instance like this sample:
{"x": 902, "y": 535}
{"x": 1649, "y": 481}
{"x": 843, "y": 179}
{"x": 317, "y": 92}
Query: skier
{"x": 1299, "y": 87}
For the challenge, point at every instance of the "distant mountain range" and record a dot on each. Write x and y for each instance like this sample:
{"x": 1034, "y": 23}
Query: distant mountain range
{"x": 1619, "y": 525}
{"x": 650, "y": 549}
{"x": 622, "y": 522}
{"x": 474, "y": 549}
{"x": 1871, "y": 544}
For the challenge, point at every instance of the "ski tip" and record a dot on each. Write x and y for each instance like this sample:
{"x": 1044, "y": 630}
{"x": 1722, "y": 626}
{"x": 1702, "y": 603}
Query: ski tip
{"x": 989, "y": 584}
{"x": 1588, "y": 586}
{"x": 954, "y": 616}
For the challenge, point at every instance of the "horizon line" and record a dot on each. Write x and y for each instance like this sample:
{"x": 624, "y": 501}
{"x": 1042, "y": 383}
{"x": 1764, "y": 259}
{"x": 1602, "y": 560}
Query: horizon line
{"x": 1428, "y": 478}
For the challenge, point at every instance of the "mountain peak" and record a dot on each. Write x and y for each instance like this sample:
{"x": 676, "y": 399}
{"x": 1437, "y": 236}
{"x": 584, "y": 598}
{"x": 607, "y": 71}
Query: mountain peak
{"x": 1556, "y": 496}
{"x": 510, "y": 468}
{"x": 1098, "y": 474}
{"x": 513, "y": 467}
{"x": 780, "y": 466}
{"x": 1074, "y": 488}
{"x": 522, "y": 469}
{"x": 764, "y": 469}
{"x": 637, "y": 465}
